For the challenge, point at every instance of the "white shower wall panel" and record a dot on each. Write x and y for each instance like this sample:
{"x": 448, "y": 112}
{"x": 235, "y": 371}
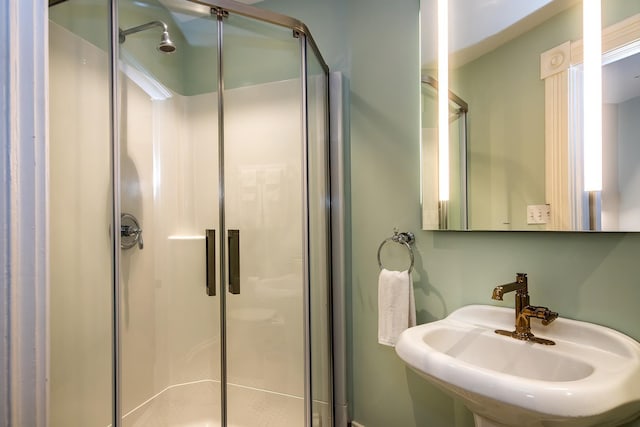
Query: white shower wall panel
{"x": 170, "y": 331}
{"x": 186, "y": 195}
{"x": 80, "y": 376}
{"x": 143, "y": 300}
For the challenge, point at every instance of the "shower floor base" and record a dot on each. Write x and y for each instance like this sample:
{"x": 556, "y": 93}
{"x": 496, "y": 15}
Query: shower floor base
{"x": 197, "y": 404}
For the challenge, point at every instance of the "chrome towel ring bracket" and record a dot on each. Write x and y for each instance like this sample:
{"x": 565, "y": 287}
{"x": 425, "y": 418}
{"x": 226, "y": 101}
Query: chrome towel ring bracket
{"x": 406, "y": 239}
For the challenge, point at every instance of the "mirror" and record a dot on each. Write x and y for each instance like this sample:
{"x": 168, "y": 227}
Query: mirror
{"x": 504, "y": 173}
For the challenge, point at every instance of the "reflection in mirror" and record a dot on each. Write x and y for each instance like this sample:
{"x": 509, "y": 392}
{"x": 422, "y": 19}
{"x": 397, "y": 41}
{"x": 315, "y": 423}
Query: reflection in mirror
{"x": 621, "y": 111}
{"x": 615, "y": 205}
{"x": 611, "y": 205}
{"x": 443, "y": 211}
{"x": 498, "y": 73}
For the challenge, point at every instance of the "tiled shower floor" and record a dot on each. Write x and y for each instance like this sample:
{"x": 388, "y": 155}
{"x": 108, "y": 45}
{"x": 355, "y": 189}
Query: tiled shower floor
{"x": 197, "y": 404}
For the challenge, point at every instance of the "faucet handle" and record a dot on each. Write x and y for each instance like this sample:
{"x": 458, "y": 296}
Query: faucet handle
{"x": 547, "y": 316}
{"x": 550, "y": 316}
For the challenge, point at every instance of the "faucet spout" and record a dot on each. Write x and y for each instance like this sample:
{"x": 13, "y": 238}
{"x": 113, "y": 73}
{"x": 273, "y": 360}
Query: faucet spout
{"x": 519, "y": 285}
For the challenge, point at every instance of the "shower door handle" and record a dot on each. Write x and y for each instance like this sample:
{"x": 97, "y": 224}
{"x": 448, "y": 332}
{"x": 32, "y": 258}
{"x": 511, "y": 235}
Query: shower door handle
{"x": 234, "y": 261}
{"x": 210, "y": 261}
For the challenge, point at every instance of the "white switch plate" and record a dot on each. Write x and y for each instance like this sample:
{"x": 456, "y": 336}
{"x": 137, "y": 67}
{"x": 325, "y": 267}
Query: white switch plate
{"x": 538, "y": 214}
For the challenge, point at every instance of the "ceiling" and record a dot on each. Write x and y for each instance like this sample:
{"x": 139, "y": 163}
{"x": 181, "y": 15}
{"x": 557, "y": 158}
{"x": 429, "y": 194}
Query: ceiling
{"x": 479, "y": 26}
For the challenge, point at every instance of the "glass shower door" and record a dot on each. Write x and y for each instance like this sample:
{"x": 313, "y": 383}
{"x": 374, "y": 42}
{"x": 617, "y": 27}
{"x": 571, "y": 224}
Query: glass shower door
{"x": 217, "y": 313}
{"x": 264, "y": 216}
{"x": 169, "y": 290}
{"x": 80, "y": 206}
{"x": 319, "y": 241}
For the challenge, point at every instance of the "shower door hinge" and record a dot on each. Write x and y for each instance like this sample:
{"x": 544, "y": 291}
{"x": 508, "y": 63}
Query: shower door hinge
{"x": 297, "y": 34}
{"x": 219, "y": 13}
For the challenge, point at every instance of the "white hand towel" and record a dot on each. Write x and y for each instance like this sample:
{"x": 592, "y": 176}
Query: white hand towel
{"x": 396, "y": 305}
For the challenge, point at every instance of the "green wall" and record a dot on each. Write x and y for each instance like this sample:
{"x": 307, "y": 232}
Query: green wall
{"x": 583, "y": 276}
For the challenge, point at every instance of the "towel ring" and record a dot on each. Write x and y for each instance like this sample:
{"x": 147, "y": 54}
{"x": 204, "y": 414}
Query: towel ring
{"x": 405, "y": 239}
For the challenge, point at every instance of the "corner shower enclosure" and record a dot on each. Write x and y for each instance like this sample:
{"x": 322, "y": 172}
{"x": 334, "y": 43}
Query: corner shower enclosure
{"x": 210, "y": 303}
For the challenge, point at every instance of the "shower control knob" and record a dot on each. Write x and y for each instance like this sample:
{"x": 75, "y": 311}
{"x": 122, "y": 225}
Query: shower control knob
{"x": 130, "y": 232}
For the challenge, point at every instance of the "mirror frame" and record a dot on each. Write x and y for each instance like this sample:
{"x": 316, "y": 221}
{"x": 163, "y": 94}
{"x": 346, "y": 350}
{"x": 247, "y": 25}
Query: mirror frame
{"x": 555, "y": 67}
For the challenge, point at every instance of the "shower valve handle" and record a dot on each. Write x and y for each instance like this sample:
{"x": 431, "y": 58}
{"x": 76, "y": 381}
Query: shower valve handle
{"x": 130, "y": 232}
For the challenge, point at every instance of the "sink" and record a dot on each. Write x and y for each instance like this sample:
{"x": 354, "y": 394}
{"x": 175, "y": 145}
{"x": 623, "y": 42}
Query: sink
{"x": 590, "y": 377}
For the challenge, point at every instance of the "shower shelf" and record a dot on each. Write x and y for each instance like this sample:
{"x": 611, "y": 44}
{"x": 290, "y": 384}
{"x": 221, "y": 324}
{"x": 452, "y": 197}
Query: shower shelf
{"x": 186, "y": 237}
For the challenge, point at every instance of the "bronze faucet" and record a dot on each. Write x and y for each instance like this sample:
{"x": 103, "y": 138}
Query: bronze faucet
{"x": 524, "y": 311}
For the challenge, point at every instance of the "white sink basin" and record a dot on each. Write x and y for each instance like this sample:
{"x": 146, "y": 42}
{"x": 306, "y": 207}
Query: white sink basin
{"x": 590, "y": 377}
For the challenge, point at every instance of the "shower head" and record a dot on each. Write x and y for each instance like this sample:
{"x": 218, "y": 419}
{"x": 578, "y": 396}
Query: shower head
{"x": 165, "y": 46}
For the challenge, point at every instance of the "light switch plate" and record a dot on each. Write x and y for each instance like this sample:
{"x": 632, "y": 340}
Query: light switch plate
{"x": 538, "y": 214}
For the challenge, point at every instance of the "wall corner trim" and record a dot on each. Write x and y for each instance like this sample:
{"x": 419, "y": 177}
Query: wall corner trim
{"x": 23, "y": 316}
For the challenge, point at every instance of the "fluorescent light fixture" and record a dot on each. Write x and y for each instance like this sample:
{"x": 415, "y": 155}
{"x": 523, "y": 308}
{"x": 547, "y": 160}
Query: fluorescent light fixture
{"x": 443, "y": 100}
{"x": 421, "y": 109}
{"x": 592, "y": 29}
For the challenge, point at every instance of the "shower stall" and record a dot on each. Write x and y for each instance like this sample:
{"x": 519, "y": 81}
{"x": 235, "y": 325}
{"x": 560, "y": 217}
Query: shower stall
{"x": 190, "y": 278}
